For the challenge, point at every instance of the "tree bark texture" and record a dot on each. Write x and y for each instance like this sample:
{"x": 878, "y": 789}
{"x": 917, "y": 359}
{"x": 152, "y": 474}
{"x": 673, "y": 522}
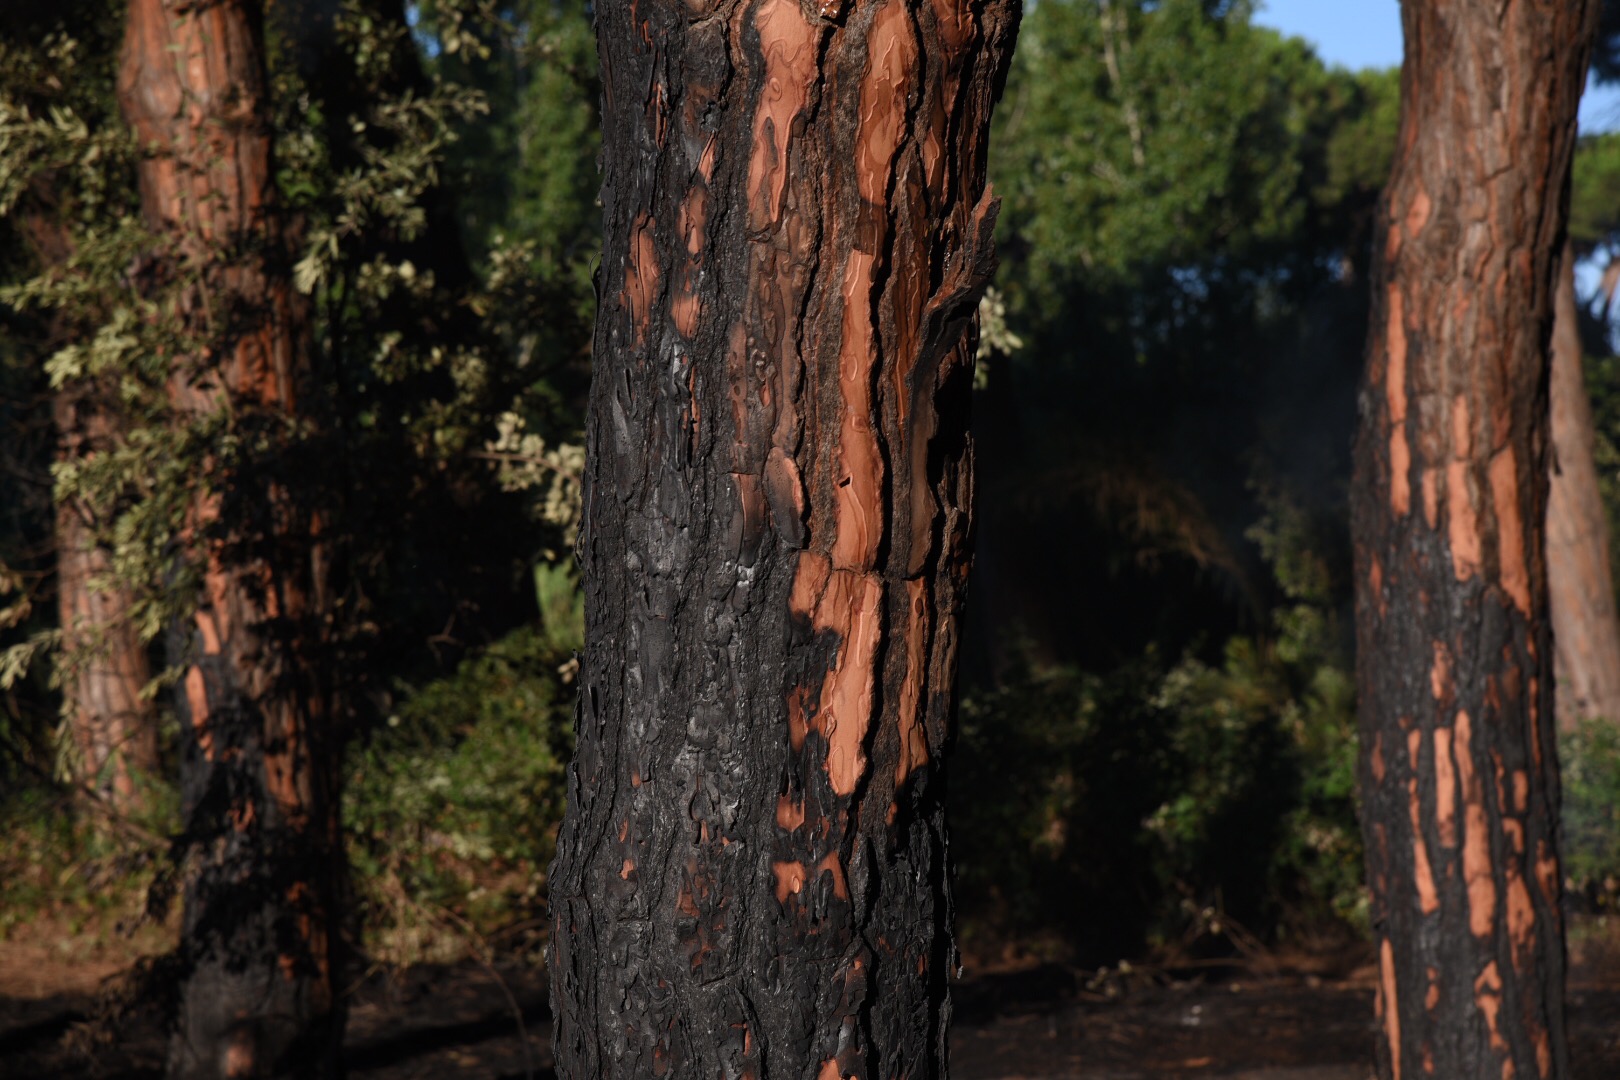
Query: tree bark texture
{"x": 103, "y": 662}
{"x": 751, "y": 879}
{"x": 1454, "y": 665}
{"x": 259, "y": 763}
{"x": 1585, "y": 628}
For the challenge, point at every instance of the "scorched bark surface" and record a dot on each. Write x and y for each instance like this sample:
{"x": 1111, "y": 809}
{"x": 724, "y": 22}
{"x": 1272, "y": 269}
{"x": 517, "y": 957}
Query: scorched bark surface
{"x": 751, "y": 880}
{"x": 1454, "y": 654}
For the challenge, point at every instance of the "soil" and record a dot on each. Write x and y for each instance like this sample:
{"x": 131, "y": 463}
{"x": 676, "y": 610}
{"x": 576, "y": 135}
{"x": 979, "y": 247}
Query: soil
{"x": 1265, "y": 1019}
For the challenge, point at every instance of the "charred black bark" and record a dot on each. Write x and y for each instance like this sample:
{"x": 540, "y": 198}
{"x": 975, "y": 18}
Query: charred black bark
{"x": 1454, "y": 666}
{"x": 751, "y": 880}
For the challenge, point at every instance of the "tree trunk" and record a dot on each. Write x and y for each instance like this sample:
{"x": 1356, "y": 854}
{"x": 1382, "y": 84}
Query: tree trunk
{"x": 103, "y": 662}
{"x": 1454, "y": 666}
{"x": 751, "y": 879}
{"x": 259, "y": 763}
{"x": 1585, "y": 629}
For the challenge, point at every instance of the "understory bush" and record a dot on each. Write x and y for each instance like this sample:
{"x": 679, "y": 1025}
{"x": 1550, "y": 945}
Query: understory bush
{"x": 451, "y": 809}
{"x": 1097, "y": 814}
{"x": 1590, "y": 758}
{"x": 453, "y": 803}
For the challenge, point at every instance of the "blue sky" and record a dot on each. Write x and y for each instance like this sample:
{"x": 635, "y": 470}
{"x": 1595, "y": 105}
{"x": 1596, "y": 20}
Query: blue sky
{"x": 1367, "y": 33}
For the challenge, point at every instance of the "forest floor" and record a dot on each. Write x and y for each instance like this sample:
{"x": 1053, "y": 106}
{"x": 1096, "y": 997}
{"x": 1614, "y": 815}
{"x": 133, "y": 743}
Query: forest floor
{"x": 1267, "y": 1018}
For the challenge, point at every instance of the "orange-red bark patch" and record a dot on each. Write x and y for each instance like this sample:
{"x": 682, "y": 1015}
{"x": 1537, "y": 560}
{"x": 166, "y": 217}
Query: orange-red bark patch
{"x": 858, "y": 506}
{"x": 641, "y": 275}
{"x": 1515, "y": 572}
{"x": 1388, "y": 1005}
{"x": 1400, "y": 455}
{"x": 913, "y": 739}
{"x": 1462, "y": 524}
{"x": 788, "y": 44}
{"x": 789, "y": 812}
{"x": 790, "y": 879}
{"x": 1445, "y": 787}
{"x": 1478, "y": 871}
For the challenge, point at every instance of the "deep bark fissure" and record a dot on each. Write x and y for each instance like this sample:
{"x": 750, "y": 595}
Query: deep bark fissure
{"x": 1454, "y": 665}
{"x": 751, "y": 878}
{"x": 260, "y": 840}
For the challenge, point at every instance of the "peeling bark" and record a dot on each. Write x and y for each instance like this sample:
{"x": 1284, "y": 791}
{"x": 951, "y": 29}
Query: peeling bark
{"x": 751, "y": 880}
{"x": 1585, "y": 627}
{"x": 258, "y": 771}
{"x": 1454, "y": 666}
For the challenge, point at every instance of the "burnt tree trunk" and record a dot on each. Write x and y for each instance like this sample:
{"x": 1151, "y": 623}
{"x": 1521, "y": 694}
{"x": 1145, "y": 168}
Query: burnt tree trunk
{"x": 259, "y": 761}
{"x": 1581, "y": 585}
{"x": 751, "y": 879}
{"x": 1454, "y": 665}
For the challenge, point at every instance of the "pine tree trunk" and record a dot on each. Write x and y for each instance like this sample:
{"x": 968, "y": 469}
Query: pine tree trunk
{"x": 751, "y": 880}
{"x": 259, "y": 763}
{"x": 103, "y": 664}
{"x": 1454, "y": 667}
{"x": 1585, "y": 628}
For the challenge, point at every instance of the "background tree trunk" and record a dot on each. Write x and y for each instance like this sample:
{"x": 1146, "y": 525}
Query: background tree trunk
{"x": 103, "y": 662}
{"x": 259, "y": 763}
{"x": 751, "y": 879}
{"x": 1454, "y": 665}
{"x": 1586, "y": 631}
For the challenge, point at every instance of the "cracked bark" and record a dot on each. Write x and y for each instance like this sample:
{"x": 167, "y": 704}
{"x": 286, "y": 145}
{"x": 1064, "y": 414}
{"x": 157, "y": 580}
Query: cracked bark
{"x": 1454, "y": 666}
{"x": 258, "y": 771}
{"x": 751, "y": 880}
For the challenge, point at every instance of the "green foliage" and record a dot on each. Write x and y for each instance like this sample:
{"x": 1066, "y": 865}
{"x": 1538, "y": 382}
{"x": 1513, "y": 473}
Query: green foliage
{"x": 455, "y": 802}
{"x": 1100, "y": 811}
{"x": 1590, "y": 759}
{"x": 1594, "y": 211}
{"x": 65, "y": 861}
{"x": 528, "y": 174}
{"x": 1138, "y": 134}
{"x": 1189, "y": 204}
{"x": 1361, "y": 148}
{"x": 422, "y": 356}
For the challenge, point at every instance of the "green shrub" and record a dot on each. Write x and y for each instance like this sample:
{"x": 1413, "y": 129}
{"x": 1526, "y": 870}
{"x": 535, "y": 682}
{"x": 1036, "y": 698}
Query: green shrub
{"x": 1590, "y": 756}
{"x": 1094, "y": 814}
{"x": 453, "y": 805}
{"x": 64, "y": 864}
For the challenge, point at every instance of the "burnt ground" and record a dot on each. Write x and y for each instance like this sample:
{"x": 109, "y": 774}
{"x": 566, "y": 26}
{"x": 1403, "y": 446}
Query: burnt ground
{"x": 1264, "y": 1021}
